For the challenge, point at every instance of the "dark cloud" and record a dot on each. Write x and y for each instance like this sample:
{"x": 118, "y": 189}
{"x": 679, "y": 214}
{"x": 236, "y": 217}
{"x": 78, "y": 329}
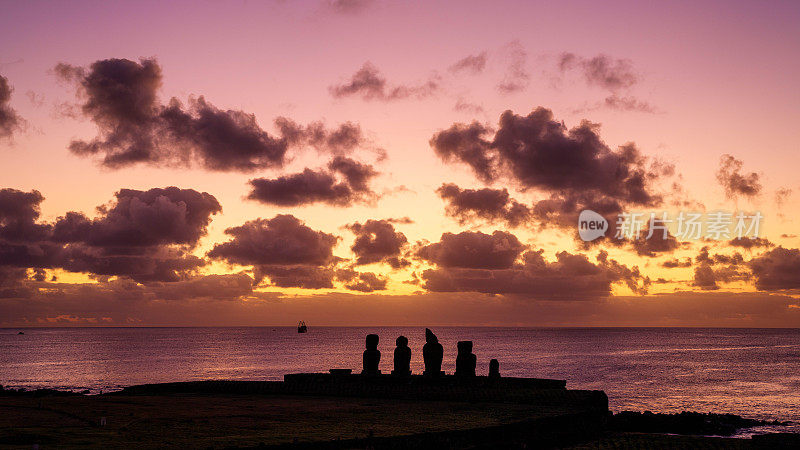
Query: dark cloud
{"x": 144, "y": 235}
{"x": 677, "y": 263}
{"x": 369, "y": 84}
{"x": 749, "y": 243}
{"x": 10, "y": 121}
{"x": 714, "y": 269}
{"x": 362, "y": 281}
{"x": 602, "y": 70}
{"x": 282, "y": 240}
{"x": 343, "y": 139}
{"x": 473, "y": 250}
{"x": 121, "y": 97}
{"x": 321, "y": 186}
{"x": 13, "y": 282}
{"x": 570, "y": 277}
{"x": 472, "y": 64}
{"x": 378, "y": 241}
{"x": 301, "y": 276}
{"x": 777, "y": 269}
{"x": 215, "y": 287}
{"x": 143, "y": 218}
{"x": 705, "y": 257}
{"x": 284, "y": 249}
{"x": 400, "y": 220}
{"x": 143, "y": 265}
{"x": 734, "y": 182}
{"x": 539, "y": 152}
{"x": 19, "y": 212}
{"x": 562, "y": 210}
{"x": 705, "y": 278}
{"x": 492, "y": 205}
{"x": 652, "y": 244}
{"x": 574, "y": 166}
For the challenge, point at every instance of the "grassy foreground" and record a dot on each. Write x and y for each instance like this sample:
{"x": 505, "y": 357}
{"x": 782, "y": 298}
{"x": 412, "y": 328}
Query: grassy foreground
{"x": 226, "y": 420}
{"x": 208, "y": 420}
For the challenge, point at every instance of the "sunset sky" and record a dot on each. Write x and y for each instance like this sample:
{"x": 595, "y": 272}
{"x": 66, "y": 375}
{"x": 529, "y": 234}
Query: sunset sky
{"x": 369, "y": 162}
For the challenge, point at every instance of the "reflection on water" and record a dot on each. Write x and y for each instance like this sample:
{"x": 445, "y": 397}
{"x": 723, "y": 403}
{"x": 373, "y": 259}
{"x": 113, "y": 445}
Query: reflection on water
{"x": 743, "y": 371}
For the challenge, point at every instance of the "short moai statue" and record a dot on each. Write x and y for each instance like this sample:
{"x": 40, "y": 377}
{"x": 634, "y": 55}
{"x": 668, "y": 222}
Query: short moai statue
{"x": 465, "y": 361}
{"x": 372, "y": 356}
{"x": 432, "y": 354}
{"x": 402, "y": 357}
{"x": 494, "y": 369}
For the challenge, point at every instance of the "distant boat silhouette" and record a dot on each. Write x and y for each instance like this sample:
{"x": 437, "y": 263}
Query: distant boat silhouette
{"x": 301, "y": 327}
{"x": 20, "y": 332}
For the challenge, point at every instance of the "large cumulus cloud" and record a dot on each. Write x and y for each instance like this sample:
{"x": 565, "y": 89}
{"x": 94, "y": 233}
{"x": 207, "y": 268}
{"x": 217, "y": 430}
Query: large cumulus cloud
{"x": 378, "y": 241}
{"x": 284, "y": 249}
{"x": 574, "y": 168}
{"x": 144, "y": 235}
{"x": 121, "y": 97}
{"x": 777, "y": 269}
{"x": 473, "y": 250}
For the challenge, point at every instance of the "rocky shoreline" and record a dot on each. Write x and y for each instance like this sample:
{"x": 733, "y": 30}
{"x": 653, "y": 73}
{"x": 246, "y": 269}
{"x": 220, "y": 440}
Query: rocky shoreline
{"x": 686, "y": 423}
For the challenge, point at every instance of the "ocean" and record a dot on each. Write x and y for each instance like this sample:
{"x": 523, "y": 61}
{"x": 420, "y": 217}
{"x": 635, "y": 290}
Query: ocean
{"x": 751, "y": 372}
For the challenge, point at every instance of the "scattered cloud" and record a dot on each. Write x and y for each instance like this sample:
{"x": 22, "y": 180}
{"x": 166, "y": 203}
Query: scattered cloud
{"x": 609, "y": 73}
{"x": 750, "y": 243}
{"x": 473, "y": 250}
{"x": 516, "y": 77}
{"x": 734, "y": 182}
{"x": 369, "y": 84}
{"x": 573, "y": 166}
{"x": 362, "y": 281}
{"x": 378, "y": 241}
{"x": 777, "y": 269}
{"x": 318, "y": 186}
{"x": 121, "y": 97}
{"x": 472, "y": 64}
{"x": 492, "y": 205}
{"x": 467, "y": 107}
{"x": 628, "y": 103}
{"x": 10, "y": 121}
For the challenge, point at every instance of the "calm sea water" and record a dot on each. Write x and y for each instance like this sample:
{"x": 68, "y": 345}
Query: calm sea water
{"x": 751, "y": 372}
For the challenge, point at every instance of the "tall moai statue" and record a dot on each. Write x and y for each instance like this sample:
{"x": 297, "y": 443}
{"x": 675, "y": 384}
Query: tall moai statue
{"x": 372, "y": 356}
{"x": 432, "y": 353}
{"x": 494, "y": 369}
{"x": 465, "y": 361}
{"x": 402, "y": 357}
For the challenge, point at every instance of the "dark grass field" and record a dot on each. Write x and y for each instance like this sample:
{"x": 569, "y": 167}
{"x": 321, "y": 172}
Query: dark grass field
{"x": 200, "y": 421}
{"x": 230, "y": 421}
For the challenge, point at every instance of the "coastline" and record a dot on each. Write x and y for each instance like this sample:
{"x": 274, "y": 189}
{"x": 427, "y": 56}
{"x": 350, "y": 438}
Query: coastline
{"x": 378, "y": 411}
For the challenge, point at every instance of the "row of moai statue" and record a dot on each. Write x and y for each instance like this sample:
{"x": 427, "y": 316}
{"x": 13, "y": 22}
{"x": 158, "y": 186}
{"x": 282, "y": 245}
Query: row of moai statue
{"x": 432, "y": 354}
